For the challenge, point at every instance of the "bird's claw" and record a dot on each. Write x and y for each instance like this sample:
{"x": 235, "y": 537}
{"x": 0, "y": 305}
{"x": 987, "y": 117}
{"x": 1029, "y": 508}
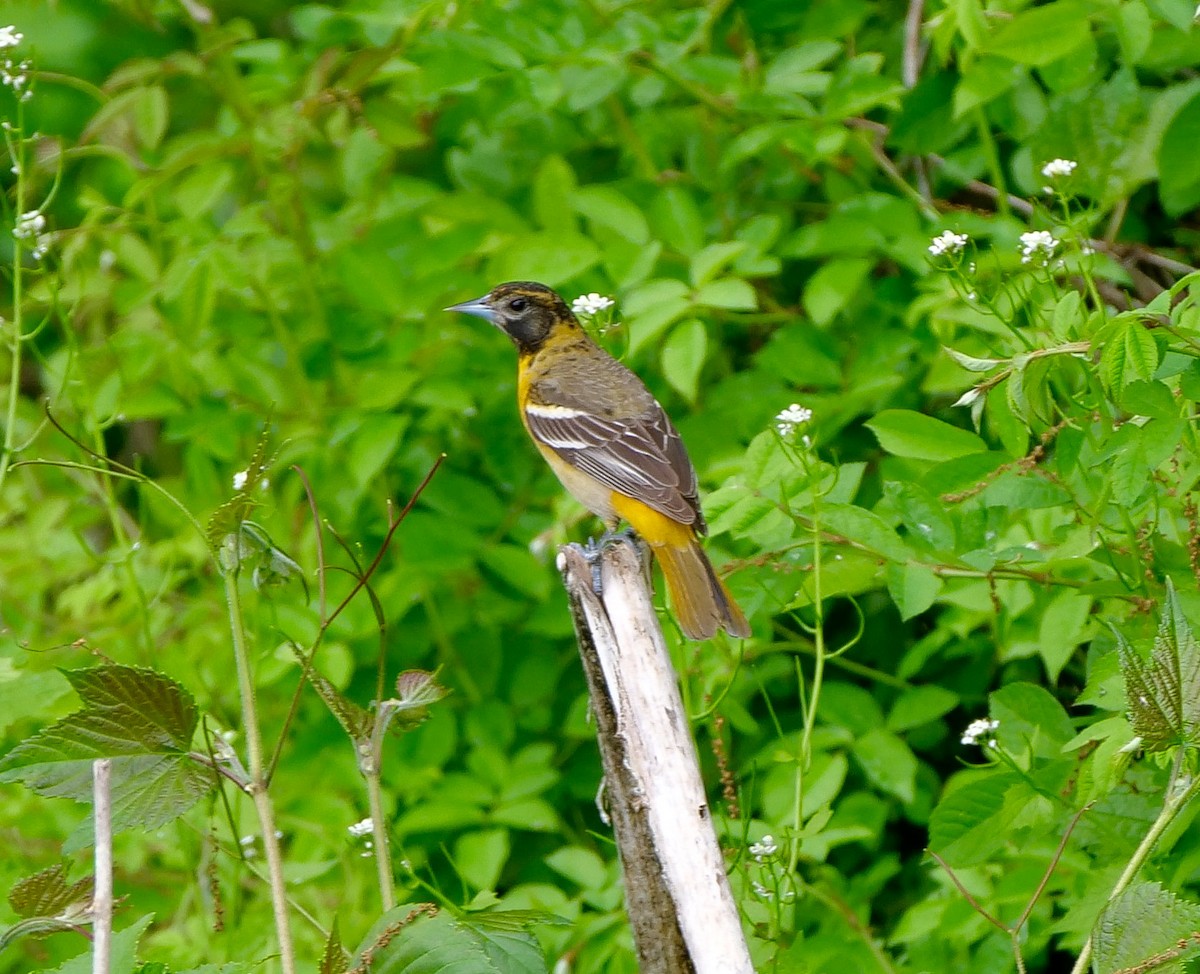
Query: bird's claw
{"x": 594, "y": 548}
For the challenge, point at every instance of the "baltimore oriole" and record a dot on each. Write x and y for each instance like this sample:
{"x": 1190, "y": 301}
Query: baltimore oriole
{"x": 611, "y": 444}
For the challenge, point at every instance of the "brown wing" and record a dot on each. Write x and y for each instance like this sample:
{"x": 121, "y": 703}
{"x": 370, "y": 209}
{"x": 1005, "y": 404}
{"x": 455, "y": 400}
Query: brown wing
{"x": 625, "y": 440}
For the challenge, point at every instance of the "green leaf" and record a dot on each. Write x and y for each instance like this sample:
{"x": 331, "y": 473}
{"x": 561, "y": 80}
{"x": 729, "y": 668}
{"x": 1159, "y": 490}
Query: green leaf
{"x": 607, "y": 207}
{"x": 551, "y": 258}
{"x": 408, "y": 940}
{"x": 919, "y": 705}
{"x": 1030, "y": 718}
{"x": 1180, "y": 14}
{"x": 683, "y": 357}
{"x": 1178, "y": 175}
{"x": 553, "y": 195}
{"x": 1164, "y": 690}
{"x": 1039, "y": 35}
{"x": 142, "y": 721}
{"x": 480, "y": 856}
{"x": 677, "y": 219}
{"x": 651, "y": 308}
{"x": 713, "y": 259}
{"x": 48, "y": 894}
{"x": 198, "y": 191}
{"x": 865, "y": 528}
{"x": 123, "y": 955}
{"x": 581, "y": 866}
{"x": 888, "y": 763}
{"x": 1130, "y": 354}
{"x": 904, "y": 433}
{"x": 729, "y": 292}
{"x": 334, "y": 959}
{"x": 833, "y": 286}
{"x": 1146, "y": 921}
{"x": 1152, "y": 399}
{"x": 150, "y": 113}
{"x": 912, "y": 587}
{"x": 971, "y": 363}
{"x": 1062, "y": 629}
{"x": 1067, "y": 317}
{"x": 967, "y": 827}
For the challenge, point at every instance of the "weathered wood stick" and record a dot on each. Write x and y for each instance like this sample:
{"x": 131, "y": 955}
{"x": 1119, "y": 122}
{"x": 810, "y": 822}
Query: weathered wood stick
{"x": 676, "y": 891}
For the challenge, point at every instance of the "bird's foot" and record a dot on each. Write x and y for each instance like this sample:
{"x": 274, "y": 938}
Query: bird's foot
{"x": 594, "y": 548}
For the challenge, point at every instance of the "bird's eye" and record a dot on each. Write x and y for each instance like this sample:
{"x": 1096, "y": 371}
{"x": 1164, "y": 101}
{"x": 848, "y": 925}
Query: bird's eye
{"x": 518, "y": 304}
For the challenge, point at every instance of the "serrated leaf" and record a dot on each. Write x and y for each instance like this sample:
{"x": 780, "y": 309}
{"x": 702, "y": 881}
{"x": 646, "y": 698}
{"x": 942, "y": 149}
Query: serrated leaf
{"x": 355, "y": 720}
{"x": 226, "y": 518}
{"x": 1129, "y": 355}
{"x": 442, "y": 944}
{"x": 334, "y": 959}
{"x": 123, "y": 955}
{"x": 1146, "y": 923}
{"x": 1164, "y": 690}
{"x": 47, "y": 893}
{"x": 142, "y": 721}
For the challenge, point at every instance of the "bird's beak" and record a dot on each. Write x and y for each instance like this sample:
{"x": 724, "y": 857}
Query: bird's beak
{"x": 479, "y": 308}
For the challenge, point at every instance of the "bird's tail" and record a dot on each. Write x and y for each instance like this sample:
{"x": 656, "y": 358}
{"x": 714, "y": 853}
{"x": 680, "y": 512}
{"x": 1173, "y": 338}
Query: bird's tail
{"x": 702, "y": 602}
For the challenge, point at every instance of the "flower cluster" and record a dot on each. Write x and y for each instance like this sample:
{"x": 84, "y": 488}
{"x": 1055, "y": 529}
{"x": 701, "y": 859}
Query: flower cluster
{"x": 788, "y": 419}
{"x": 360, "y": 829}
{"x": 983, "y": 727}
{"x": 948, "y": 243}
{"x": 1040, "y": 244}
{"x": 1056, "y": 168}
{"x": 591, "y": 304}
{"x": 14, "y": 74}
{"x": 30, "y": 226}
{"x": 764, "y": 848}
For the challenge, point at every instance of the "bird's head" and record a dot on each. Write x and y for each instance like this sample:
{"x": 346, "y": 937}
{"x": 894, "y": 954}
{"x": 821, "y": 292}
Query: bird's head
{"x": 525, "y": 311}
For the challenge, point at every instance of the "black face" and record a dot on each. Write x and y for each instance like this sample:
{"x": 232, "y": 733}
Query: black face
{"x": 524, "y": 310}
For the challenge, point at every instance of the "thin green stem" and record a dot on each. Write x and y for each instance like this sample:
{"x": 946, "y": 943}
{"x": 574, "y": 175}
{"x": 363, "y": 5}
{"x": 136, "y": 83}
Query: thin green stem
{"x": 383, "y": 855}
{"x": 814, "y": 696}
{"x": 1170, "y": 810}
{"x": 17, "y": 153}
{"x": 258, "y": 781}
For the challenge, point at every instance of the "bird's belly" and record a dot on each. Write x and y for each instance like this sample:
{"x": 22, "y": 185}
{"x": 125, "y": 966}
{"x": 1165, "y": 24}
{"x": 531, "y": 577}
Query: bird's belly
{"x": 592, "y": 494}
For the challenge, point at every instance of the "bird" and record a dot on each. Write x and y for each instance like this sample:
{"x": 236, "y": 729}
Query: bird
{"x": 611, "y": 444}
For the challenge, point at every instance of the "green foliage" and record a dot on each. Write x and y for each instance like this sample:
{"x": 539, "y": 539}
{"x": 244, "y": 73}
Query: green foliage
{"x": 140, "y": 720}
{"x": 251, "y": 218}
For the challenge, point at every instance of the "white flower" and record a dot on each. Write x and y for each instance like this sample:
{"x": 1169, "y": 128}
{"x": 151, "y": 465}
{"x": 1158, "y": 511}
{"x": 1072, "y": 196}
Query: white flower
{"x": 359, "y": 829}
{"x": 1059, "y": 167}
{"x": 761, "y": 891}
{"x": 240, "y": 478}
{"x": 788, "y": 419}
{"x": 977, "y": 729}
{"x": 764, "y": 848}
{"x": 15, "y": 75}
{"x": 1037, "y": 243}
{"x": 10, "y": 36}
{"x": 590, "y": 304}
{"x": 969, "y": 398}
{"x": 948, "y": 242}
{"x": 29, "y": 225}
